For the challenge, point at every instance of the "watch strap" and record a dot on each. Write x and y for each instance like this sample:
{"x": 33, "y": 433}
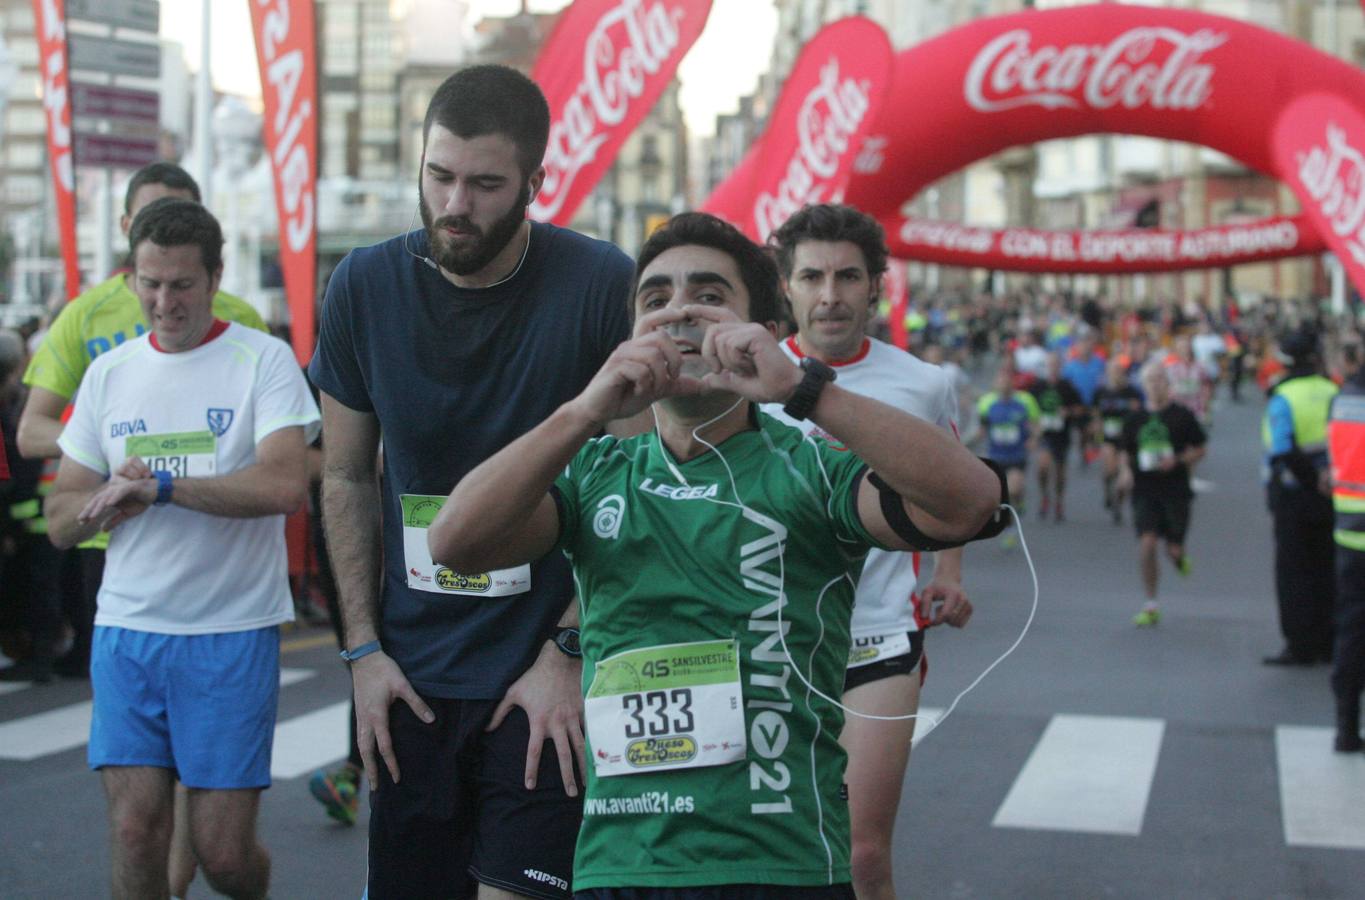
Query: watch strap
{"x": 802, "y": 402}
{"x": 165, "y": 486}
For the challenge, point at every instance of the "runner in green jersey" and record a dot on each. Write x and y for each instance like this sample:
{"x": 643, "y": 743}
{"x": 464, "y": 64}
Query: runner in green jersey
{"x": 716, "y": 559}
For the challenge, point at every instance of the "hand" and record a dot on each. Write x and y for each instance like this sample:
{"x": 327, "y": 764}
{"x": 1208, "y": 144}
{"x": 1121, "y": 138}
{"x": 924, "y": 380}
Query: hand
{"x": 646, "y": 368}
{"x": 550, "y": 693}
{"x": 1168, "y": 463}
{"x": 1125, "y": 480}
{"x": 130, "y": 490}
{"x": 947, "y": 603}
{"x": 744, "y": 357}
{"x": 378, "y": 682}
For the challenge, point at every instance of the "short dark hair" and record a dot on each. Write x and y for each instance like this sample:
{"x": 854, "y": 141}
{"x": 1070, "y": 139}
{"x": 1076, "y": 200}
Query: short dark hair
{"x": 755, "y": 263}
{"x": 489, "y": 99}
{"x": 831, "y": 222}
{"x": 169, "y": 174}
{"x": 172, "y": 222}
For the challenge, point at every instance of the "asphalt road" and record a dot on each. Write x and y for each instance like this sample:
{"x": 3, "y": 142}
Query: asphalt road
{"x": 1098, "y": 760}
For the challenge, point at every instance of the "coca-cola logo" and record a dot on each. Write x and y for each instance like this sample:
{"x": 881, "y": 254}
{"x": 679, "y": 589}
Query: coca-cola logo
{"x": 1158, "y": 67}
{"x": 630, "y": 42}
{"x": 1334, "y": 176}
{"x": 829, "y": 116}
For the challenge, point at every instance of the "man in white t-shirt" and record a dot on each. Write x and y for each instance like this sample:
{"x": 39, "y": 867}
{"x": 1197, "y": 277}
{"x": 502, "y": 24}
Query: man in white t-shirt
{"x": 188, "y": 445}
{"x": 832, "y": 258}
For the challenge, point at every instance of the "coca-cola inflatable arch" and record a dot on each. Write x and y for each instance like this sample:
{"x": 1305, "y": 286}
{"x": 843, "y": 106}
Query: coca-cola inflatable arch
{"x": 1274, "y": 103}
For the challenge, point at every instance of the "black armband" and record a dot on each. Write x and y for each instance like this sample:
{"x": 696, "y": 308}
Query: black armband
{"x": 893, "y": 509}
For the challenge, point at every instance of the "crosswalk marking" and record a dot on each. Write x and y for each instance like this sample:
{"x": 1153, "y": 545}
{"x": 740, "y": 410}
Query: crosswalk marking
{"x": 310, "y": 741}
{"x": 1086, "y": 773}
{"x": 68, "y": 727}
{"x": 55, "y": 731}
{"x": 929, "y": 717}
{"x": 1320, "y": 791}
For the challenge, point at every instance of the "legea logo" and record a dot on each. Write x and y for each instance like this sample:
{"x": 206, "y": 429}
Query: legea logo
{"x": 829, "y": 117}
{"x": 1151, "y": 66}
{"x": 1334, "y": 176}
{"x": 630, "y": 42}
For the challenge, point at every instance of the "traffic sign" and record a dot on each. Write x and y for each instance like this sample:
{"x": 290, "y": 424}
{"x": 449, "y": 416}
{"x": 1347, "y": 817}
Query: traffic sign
{"x": 113, "y": 56}
{"x": 115, "y": 151}
{"x": 139, "y": 15}
{"x": 121, "y": 103}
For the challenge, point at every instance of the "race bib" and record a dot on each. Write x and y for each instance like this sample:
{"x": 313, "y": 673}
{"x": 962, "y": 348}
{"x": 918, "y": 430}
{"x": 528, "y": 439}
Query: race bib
{"x": 1113, "y": 428}
{"x": 1005, "y": 435}
{"x": 424, "y": 575}
{"x": 877, "y": 647}
{"x": 675, "y": 706}
{"x": 1052, "y": 422}
{"x": 1151, "y": 456}
{"x": 188, "y": 454}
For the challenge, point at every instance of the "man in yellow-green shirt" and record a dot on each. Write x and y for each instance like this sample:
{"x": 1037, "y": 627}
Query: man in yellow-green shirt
{"x": 98, "y": 320}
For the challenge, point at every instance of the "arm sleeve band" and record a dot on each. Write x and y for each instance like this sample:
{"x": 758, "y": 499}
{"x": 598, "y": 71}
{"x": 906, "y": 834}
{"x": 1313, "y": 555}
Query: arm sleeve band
{"x": 893, "y": 508}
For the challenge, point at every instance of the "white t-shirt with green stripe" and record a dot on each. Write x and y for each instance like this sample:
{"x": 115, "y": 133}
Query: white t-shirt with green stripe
{"x": 199, "y": 413}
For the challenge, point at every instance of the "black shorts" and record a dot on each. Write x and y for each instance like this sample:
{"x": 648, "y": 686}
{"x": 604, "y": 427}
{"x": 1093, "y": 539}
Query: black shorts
{"x": 905, "y": 664}
{"x": 1165, "y": 515}
{"x": 722, "y": 892}
{"x": 1057, "y": 443}
{"x": 462, "y": 814}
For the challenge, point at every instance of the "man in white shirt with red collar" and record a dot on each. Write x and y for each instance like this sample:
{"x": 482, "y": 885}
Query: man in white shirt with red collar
{"x": 832, "y": 258}
{"x": 188, "y": 445}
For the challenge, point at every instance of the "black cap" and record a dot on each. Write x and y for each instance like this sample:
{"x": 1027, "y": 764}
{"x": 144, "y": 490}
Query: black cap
{"x": 1300, "y": 345}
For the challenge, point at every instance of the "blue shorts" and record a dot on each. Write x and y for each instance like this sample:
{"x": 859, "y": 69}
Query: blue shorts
{"x": 201, "y": 704}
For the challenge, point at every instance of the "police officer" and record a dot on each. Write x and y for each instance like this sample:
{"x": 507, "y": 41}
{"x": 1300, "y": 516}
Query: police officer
{"x": 1346, "y": 447}
{"x": 1295, "y": 435}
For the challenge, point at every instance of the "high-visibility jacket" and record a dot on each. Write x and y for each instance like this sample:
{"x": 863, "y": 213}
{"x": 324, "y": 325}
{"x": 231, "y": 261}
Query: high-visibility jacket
{"x": 1346, "y": 449}
{"x": 1295, "y": 429}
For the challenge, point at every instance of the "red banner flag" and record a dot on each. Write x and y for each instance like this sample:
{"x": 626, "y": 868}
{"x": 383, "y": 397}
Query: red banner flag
{"x": 1320, "y": 151}
{"x": 50, "y": 19}
{"x": 602, "y": 70}
{"x": 829, "y": 102}
{"x": 285, "y": 45}
{"x": 1101, "y": 252}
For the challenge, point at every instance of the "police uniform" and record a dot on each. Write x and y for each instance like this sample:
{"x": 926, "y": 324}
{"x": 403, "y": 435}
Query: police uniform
{"x": 1346, "y": 447}
{"x": 1295, "y": 435}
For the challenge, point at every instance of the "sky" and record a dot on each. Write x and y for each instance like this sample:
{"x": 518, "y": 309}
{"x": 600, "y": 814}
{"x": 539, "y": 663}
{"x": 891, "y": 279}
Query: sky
{"x": 722, "y": 66}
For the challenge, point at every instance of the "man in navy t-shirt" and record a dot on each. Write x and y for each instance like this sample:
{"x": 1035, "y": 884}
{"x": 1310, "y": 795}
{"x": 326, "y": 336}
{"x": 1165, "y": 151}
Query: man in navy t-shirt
{"x": 451, "y": 342}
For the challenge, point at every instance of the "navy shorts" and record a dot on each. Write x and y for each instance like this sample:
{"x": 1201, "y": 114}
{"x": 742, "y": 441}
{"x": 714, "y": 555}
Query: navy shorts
{"x": 461, "y": 815}
{"x": 1165, "y": 515}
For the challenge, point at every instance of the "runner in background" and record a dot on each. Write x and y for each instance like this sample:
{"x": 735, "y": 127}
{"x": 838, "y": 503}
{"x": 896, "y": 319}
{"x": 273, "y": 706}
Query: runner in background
{"x": 1059, "y": 406}
{"x": 1115, "y": 401}
{"x": 1009, "y": 422}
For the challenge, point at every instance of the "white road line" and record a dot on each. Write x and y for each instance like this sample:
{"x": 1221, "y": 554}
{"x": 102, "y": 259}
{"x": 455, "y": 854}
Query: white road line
{"x": 928, "y": 720}
{"x": 55, "y": 731}
{"x": 1320, "y": 791}
{"x": 310, "y": 741}
{"x": 68, "y": 727}
{"x": 1086, "y": 773}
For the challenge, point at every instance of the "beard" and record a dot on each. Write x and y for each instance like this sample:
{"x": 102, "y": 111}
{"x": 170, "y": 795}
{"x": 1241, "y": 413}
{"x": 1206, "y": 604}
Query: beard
{"x": 472, "y": 257}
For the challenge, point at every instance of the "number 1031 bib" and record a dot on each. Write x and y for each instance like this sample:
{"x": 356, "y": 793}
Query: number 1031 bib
{"x": 674, "y": 706}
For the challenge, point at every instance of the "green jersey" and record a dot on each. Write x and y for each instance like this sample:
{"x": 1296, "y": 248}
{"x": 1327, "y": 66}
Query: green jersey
{"x": 712, "y": 763}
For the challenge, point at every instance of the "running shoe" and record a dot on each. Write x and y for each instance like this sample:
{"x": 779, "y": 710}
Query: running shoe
{"x": 1184, "y": 566}
{"x": 1009, "y": 540}
{"x": 1148, "y": 617}
{"x": 338, "y": 791}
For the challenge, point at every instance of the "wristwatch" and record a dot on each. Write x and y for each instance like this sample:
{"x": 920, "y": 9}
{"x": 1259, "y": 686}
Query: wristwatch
{"x": 566, "y": 639}
{"x": 817, "y": 375}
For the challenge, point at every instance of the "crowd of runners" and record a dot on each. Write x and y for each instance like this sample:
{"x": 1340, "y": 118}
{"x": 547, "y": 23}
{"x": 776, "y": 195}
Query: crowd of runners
{"x": 634, "y": 591}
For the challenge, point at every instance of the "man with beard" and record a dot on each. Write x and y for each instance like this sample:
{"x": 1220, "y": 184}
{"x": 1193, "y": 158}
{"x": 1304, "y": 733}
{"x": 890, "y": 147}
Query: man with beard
{"x": 453, "y": 341}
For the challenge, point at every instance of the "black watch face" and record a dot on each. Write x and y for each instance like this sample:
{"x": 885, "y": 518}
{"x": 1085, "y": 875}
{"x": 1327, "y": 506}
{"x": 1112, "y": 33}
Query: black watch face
{"x": 568, "y": 639}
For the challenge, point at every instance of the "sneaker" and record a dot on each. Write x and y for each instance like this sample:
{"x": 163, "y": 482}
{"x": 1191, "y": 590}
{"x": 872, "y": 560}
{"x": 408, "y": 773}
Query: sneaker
{"x": 1043, "y": 510}
{"x": 1009, "y": 540}
{"x": 1147, "y": 618}
{"x": 338, "y": 791}
{"x": 1184, "y": 567}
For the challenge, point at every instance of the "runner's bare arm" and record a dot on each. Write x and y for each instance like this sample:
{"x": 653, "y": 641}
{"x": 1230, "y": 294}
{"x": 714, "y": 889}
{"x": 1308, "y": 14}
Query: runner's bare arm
{"x": 350, "y": 513}
{"x": 501, "y": 514}
{"x": 40, "y": 424}
{"x": 74, "y": 487}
